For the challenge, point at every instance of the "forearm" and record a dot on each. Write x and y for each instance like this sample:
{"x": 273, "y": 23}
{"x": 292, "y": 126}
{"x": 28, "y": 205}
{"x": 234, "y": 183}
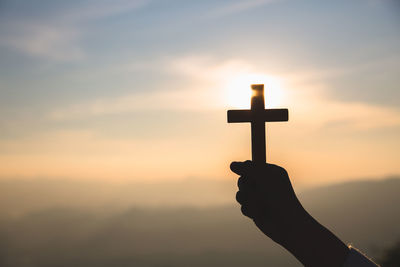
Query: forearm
{"x": 314, "y": 245}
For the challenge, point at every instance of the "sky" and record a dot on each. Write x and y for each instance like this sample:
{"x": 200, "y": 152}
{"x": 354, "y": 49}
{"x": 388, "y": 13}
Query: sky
{"x": 138, "y": 90}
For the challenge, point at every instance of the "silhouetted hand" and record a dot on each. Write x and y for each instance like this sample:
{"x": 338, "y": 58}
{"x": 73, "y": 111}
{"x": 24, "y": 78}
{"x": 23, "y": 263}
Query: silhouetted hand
{"x": 267, "y": 196}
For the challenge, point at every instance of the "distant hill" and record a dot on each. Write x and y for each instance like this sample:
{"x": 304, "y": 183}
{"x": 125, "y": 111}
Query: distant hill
{"x": 365, "y": 213}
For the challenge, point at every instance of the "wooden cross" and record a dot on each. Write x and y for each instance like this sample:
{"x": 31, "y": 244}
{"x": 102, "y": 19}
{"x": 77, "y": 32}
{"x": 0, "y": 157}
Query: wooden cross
{"x": 257, "y": 116}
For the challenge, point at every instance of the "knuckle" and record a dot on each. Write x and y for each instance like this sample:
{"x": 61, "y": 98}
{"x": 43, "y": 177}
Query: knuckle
{"x": 238, "y": 197}
{"x": 245, "y": 211}
{"x": 241, "y": 197}
{"x": 240, "y": 182}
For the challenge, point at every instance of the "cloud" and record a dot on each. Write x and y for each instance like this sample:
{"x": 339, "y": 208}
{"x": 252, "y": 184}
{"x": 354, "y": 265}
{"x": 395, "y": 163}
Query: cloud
{"x": 180, "y": 100}
{"x": 239, "y": 6}
{"x": 204, "y": 67}
{"x": 305, "y": 94}
{"x": 99, "y": 9}
{"x": 305, "y": 91}
{"x": 56, "y": 35}
{"x": 45, "y": 40}
{"x": 203, "y": 93}
{"x": 315, "y": 111}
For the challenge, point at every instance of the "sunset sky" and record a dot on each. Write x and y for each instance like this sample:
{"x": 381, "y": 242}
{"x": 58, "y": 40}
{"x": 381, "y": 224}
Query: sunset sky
{"x": 138, "y": 90}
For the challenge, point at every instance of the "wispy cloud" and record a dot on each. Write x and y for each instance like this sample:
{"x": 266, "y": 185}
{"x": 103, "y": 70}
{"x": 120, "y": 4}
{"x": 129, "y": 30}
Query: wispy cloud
{"x": 45, "y": 40}
{"x": 239, "y": 6}
{"x": 57, "y": 35}
{"x": 305, "y": 91}
{"x": 180, "y": 100}
{"x": 206, "y": 76}
{"x": 207, "y": 92}
{"x": 98, "y": 9}
{"x": 314, "y": 110}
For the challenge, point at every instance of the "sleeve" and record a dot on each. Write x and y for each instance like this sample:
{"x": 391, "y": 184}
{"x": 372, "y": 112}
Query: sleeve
{"x": 357, "y": 259}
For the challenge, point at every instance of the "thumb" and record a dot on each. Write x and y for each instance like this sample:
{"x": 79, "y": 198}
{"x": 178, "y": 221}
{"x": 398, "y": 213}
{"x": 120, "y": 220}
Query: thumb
{"x": 241, "y": 168}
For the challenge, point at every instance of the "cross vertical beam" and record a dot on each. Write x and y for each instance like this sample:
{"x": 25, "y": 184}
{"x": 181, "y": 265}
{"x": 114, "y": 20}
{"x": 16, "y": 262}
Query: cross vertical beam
{"x": 258, "y": 144}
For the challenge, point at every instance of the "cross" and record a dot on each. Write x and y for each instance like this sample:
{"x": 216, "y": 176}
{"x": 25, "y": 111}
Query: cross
{"x": 257, "y": 116}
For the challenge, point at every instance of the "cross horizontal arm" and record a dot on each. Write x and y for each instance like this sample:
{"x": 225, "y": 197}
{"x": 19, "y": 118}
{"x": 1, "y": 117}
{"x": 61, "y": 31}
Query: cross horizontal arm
{"x": 277, "y": 114}
{"x": 239, "y": 115}
{"x": 280, "y": 114}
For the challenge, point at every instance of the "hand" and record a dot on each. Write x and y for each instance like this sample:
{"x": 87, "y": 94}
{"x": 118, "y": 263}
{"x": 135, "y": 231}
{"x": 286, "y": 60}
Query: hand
{"x": 267, "y": 196}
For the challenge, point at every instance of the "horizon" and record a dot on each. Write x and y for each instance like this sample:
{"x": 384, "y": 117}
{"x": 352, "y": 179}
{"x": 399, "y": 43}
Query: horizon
{"x": 21, "y": 197}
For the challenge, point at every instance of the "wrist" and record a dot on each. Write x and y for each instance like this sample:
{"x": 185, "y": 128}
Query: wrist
{"x": 313, "y": 244}
{"x": 298, "y": 222}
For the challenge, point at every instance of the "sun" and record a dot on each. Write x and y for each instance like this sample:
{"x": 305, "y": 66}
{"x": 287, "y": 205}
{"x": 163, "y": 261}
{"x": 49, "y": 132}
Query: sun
{"x": 239, "y": 93}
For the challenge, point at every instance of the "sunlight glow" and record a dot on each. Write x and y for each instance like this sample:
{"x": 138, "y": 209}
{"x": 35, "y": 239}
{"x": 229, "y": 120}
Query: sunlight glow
{"x": 238, "y": 90}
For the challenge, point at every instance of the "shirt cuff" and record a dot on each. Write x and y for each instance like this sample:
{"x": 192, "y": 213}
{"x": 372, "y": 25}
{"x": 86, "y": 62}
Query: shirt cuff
{"x": 357, "y": 259}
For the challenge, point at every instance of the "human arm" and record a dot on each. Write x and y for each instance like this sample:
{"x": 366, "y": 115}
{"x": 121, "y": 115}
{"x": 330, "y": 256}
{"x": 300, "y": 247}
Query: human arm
{"x": 267, "y": 197}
